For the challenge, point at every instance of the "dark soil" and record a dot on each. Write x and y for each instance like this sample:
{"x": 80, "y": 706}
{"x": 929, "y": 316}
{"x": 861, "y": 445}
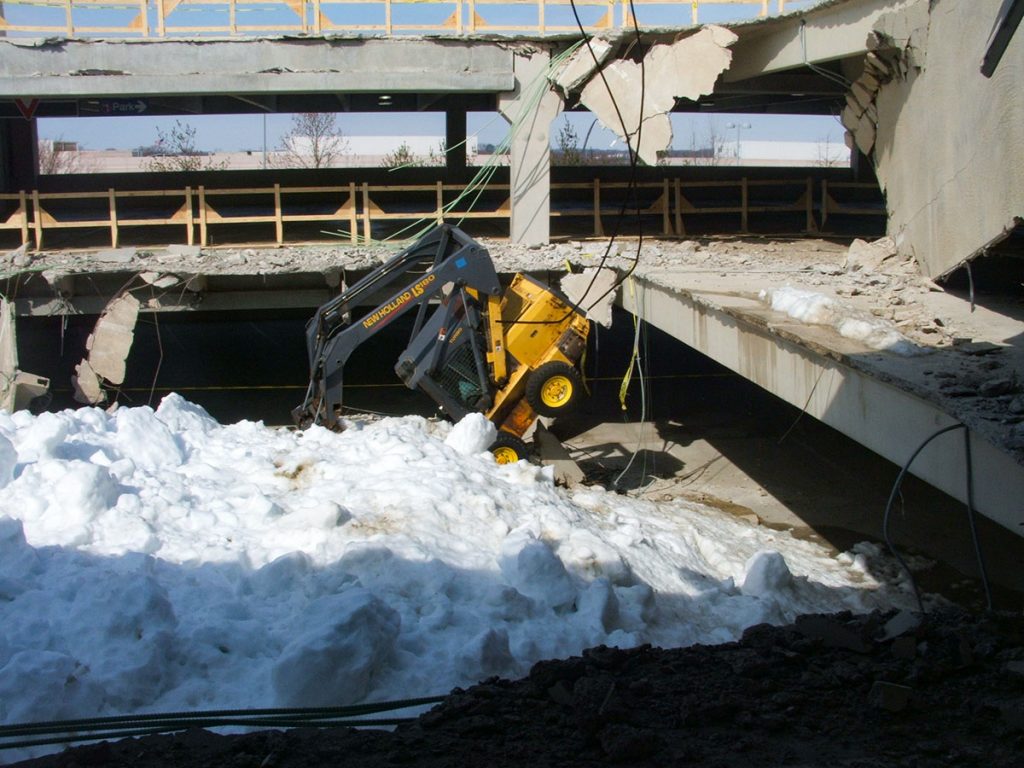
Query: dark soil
{"x": 876, "y": 690}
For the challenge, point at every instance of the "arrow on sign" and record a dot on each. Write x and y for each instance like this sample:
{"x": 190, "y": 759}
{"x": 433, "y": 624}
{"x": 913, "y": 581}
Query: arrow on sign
{"x": 28, "y": 109}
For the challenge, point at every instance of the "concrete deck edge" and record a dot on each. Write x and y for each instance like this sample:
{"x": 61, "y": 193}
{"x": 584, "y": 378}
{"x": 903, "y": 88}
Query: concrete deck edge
{"x": 884, "y": 418}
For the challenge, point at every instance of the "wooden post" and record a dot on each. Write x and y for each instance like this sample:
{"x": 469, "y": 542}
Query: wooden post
{"x": 387, "y": 17}
{"x": 232, "y": 27}
{"x": 745, "y": 196}
{"x": 680, "y": 229}
{"x": 598, "y": 228}
{"x": 693, "y": 11}
{"x": 23, "y": 207}
{"x": 824, "y": 202}
{"x": 144, "y": 16}
{"x": 161, "y": 27}
{"x": 190, "y": 232}
{"x": 353, "y": 221}
{"x": 809, "y": 197}
{"x": 202, "y": 215}
{"x": 439, "y": 213}
{"x": 68, "y": 18}
{"x": 666, "y": 223}
{"x": 278, "y": 221}
{"x": 366, "y": 212}
{"x": 540, "y": 16}
{"x": 112, "y": 200}
{"x": 764, "y": 7}
{"x": 37, "y": 219}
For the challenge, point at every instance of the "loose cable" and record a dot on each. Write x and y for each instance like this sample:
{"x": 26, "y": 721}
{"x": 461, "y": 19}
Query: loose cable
{"x": 971, "y": 513}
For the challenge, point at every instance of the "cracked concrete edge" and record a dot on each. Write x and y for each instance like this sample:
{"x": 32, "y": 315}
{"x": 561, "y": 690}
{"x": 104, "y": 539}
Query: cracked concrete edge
{"x": 581, "y": 65}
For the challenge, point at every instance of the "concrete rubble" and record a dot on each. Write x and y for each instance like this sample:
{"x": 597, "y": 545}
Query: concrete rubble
{"x": 972, "y": 372}
{"x": 594, "y": 290}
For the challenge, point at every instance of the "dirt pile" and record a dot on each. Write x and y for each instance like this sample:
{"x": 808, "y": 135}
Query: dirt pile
{"x": 874, "y": 690}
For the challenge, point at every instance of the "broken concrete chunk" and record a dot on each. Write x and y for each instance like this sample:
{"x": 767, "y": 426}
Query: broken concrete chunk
{"x": 875, "y": 63}
{"x": 863, "y": 256}
{"x": 978, "y": 347}
{"x": 19, "y": 257}
{"x": 112, "y": 338}
{"x": 159, "y": 280}
{"x": 115, "y": 255}
{"x": 863, "y": 96}
{"x": 850, "y": 117}
{"x": 900, "y": 624}
{"x": 996, "y": 387}
{"x": 580, "y": 65}
{"x": 87, "y": 385}
{"x": 187, "y": 251}
{"x": 864, "y": 134}
{"x": 688, "y": 68}
{"x": 553, "y": 454}
{"x": 593, "y": 290}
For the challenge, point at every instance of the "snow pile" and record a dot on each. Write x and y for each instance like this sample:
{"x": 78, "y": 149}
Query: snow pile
{"x": 156, "y": 560}
{"x": 818, "y": 309}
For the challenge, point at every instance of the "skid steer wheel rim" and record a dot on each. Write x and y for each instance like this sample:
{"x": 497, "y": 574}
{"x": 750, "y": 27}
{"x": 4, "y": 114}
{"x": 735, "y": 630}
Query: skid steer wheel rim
{"x": 556, "y": 391}
{"x": 505, "y": 454}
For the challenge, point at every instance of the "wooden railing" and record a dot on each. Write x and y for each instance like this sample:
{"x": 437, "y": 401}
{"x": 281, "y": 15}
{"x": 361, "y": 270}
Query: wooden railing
{"x": 175, "y": 18}
{"x": 352, "y": 211}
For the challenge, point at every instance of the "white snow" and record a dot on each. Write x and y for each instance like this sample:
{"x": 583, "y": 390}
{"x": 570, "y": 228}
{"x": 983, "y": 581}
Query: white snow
{"x": 157, "y": 560}
{"x": 818, "y": 309}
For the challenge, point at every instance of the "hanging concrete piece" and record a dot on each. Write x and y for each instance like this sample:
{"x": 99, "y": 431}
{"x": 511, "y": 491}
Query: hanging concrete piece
{"x": 108, "y": 347}
{"x": 594, "y": 291}
{"x": 686, "y": 69}
{"x": 579, "y": 67}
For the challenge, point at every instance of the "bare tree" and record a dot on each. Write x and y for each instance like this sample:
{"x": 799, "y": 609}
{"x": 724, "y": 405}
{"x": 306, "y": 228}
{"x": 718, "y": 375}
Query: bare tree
{"x": 57, "y": 156}
{"x": 314, "y": 141}
{"x": 175, "y": 150}
{"x": 830, "y": 155}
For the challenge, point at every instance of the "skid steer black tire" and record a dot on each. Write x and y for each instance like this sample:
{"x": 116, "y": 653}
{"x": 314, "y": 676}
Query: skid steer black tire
{"x": 554, "y": 389}
{"x": 508, "y": 449}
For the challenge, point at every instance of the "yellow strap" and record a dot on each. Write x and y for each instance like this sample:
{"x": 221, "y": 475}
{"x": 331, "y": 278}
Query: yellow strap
{"x": 632, "y": 358}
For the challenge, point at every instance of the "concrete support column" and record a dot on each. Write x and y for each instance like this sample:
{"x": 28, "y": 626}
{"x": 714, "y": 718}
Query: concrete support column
{"x": 530, "y": 109}
{"x": 18, "y": 150}
{"x": 455, "y": 136}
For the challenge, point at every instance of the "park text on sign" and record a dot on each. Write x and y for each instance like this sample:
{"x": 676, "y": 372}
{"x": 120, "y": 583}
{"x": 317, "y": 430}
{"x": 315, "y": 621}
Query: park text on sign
{"x": 123, "y": 106}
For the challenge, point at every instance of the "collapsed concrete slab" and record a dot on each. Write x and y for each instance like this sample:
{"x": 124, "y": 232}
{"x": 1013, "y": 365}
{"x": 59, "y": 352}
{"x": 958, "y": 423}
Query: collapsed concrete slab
{"x": 108, "y": 347}
{"x": 644, "y": 94}
{"x": 948, "y": 144}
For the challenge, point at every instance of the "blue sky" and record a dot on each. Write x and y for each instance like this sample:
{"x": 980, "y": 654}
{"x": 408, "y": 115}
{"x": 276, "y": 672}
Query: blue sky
{"x": 246, "y": 132}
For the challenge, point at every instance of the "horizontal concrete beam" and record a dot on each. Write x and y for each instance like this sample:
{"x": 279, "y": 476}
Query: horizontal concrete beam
{"x": 833, "y": 31}
{"x": 881, "y": 416}
{"x": 180, "y": 302}
{"x": 83, "y": 69}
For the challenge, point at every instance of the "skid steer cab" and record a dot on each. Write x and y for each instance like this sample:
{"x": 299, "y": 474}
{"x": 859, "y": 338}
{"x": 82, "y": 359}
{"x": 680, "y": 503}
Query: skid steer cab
{"x": 511, "y": 355}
